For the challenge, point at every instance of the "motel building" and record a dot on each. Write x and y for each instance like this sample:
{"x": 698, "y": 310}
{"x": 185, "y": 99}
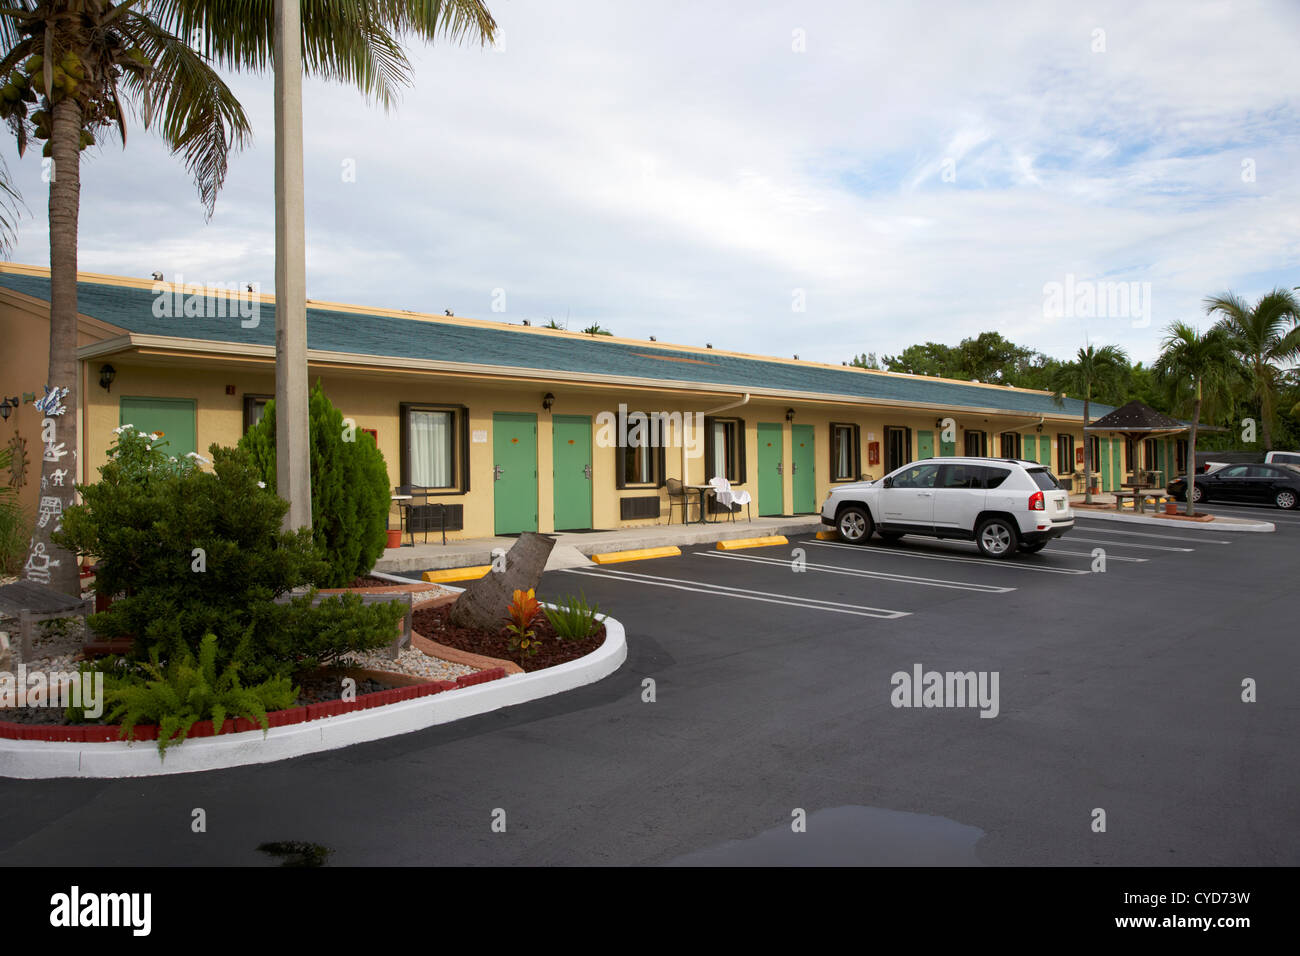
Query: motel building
{"x": 516, "y": 428}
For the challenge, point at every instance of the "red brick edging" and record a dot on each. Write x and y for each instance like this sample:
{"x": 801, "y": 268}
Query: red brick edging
{"x": 10, "y": 730}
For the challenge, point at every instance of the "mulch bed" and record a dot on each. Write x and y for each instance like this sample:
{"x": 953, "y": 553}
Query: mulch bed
{"x": 432, "y": 623}
{"x": 366, "y": 581}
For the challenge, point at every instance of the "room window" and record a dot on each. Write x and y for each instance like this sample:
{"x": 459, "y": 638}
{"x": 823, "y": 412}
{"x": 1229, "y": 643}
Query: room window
{"x": 1064, "y": 454}
{"x": 254, "y": 408}
{"x": 977, "y": 444}
{"x": 640, "y": 464}
{"x": 846, "y": 452}
{"x": 1010, "y": 442}
{"x": 1095, "y": 442}
{"x": 724, "y": 449}
{"x": 1150, "y": 455}
{"x": 434, "y": 451}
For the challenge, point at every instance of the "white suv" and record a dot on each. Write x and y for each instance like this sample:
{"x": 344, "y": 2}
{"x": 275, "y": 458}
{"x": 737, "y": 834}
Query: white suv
{"x": 1002, "y": 504}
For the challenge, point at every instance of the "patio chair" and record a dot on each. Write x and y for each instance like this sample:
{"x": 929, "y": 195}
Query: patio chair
{"x": 677, "y": 495}
{"x": 731, "y": 499}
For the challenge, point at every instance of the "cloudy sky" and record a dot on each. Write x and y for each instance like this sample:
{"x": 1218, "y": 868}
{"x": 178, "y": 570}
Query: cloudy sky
{"x": 822, "y": 178}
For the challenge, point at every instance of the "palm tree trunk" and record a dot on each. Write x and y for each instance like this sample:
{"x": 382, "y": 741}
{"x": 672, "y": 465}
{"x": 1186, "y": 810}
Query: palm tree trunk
{"x": 1191, "y": 453}
{"x": 47, "y": 563}
{"x": 1087, "y": 458}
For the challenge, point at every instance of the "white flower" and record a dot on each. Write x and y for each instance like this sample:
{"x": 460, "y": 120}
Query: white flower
{"x": 121, "y": 428}
{"x": 197, "y": 457}
{"x": 261, "y": 484}
{"x": 154, "y": 436}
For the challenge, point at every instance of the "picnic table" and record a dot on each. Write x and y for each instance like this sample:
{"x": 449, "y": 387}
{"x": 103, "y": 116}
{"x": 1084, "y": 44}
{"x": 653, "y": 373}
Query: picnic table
{"x": 1139, "y": 491}
{"x": 30, "y": 602}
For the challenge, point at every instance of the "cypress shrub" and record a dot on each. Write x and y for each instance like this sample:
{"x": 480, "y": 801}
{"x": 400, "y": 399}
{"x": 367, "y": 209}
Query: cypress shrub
{"x": 350, "y": 496}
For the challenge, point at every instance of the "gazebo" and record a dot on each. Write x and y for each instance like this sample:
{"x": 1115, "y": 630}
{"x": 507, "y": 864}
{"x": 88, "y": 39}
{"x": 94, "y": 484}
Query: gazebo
{"x": 1137, "y": 422}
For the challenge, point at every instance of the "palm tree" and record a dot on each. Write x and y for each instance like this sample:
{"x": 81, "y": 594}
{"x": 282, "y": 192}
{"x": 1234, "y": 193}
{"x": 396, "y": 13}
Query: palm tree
{"x": 1266, "y": 339}
{"x": 1093, "y": 370}
{"x": 68, "y": 66}
{"x": 1195, "y": 368}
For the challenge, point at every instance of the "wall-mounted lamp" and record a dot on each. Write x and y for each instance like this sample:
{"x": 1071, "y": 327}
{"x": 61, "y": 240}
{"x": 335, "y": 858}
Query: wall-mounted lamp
{"x": 938, "y": 423}
{"x": 106, "y": 375}
{"x": 547, "y": 401}
{"x": 789, "y": 414}
{"x": 7, "y": 406}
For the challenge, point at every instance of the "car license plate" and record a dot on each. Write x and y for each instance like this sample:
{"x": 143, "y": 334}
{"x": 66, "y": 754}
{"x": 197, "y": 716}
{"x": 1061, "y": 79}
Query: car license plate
{"x": 1060, "y": 506}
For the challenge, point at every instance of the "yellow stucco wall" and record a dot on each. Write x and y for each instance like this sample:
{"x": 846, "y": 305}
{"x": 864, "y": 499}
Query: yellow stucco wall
{"x": 372, "y": 401}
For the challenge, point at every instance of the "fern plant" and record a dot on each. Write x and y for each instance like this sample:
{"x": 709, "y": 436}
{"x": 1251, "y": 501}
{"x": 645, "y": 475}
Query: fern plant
{"x": 184, "y": 691}
{"x": 573, "y": 619}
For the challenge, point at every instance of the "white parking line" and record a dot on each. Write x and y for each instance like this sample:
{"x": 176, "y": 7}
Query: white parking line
{"x": 1092, "y": 529}
{"x": 862, "y": 573}
{"x": 744, "y": 594}
{"x": 1088, "y": 554}
{"x": 992, "y": 562}
{"x": 1129, "y": 544}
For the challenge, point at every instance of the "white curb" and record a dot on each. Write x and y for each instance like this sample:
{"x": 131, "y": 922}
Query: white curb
{"x": 33, "y": 759}
{"x": 1233, "y": 524}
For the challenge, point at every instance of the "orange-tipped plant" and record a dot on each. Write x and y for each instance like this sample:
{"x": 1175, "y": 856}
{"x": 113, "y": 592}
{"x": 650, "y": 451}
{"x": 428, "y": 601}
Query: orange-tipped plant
{"x": 523, "y": 611}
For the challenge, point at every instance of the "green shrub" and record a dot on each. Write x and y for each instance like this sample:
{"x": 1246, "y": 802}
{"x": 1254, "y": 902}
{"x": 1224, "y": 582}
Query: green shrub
{"x": 186, "y": 690}
{"x": 199, "y": 553}
{"x": 350, "y": 494}
{"x": 573, "y": 619}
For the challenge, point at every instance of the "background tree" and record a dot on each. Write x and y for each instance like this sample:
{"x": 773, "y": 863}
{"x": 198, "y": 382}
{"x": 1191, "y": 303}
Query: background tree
{"x": 1195, "y": 368}
{"x": 1093, "y": 370}
{"x": 1266, "y": 340}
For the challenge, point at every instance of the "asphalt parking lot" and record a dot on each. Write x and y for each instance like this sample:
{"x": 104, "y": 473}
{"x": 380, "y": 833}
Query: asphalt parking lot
{"x": 774, "y": 692}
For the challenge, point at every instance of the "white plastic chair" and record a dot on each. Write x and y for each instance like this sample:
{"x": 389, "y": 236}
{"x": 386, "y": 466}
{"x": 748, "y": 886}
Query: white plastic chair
{"x": 727, "y": 497}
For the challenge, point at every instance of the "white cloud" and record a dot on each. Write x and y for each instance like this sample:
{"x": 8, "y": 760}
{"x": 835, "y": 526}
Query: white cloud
{"x": 678, "y": 169}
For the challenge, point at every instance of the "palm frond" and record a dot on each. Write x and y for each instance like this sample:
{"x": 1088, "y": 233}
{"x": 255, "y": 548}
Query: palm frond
{"x": 197, "y": 114}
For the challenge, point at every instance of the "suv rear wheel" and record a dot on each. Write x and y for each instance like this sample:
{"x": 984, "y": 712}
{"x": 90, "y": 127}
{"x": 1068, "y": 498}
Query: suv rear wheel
{"x": 854, "y": 524}
{"x": 996, "y": 538}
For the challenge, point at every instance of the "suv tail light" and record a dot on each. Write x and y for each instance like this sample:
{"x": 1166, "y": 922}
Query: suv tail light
{"x": 1037, "y": 502}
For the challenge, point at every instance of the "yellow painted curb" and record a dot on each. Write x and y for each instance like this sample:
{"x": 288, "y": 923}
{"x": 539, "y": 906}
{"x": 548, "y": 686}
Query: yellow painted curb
{"x": 638, "y": 554}
{"x": 736, "y": 543}
{"x": 828, "y": 535}
{"x": 457, "y": 574}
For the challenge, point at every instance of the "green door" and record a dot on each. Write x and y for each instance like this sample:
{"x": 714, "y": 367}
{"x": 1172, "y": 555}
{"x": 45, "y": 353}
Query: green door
{"x": 947, "y": 448}
{"x": 174, "y": 417}
{"x": 1029, "y": 447}
{"x": 1045, "y": 450}
{"x": 924, "y": 444}
{"x": 1117, "y": 464}
{"x": 771, "y": 484}
{"x": 571, "y": 476}
{"x": 514, "y": 461}
{"x": 804, "y": 466}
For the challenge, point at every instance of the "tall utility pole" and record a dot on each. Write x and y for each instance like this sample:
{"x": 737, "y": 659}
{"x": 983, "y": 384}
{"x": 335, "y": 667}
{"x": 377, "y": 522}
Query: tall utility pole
{"x": 292, "y": 451}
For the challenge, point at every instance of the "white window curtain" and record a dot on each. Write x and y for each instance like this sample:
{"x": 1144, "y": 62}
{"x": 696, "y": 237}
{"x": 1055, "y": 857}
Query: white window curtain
{"x": 844, "y": 464}
{"x": 430, "y": 435}
{"x": 719, "y": 462}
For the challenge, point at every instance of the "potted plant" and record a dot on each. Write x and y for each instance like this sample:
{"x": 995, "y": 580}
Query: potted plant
{"x": 1171, "y": 507}
{"x": 394, "y": 538}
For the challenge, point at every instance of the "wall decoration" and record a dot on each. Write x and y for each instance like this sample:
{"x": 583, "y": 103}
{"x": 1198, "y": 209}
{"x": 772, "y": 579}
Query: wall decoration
{"x": 17, "y": 461}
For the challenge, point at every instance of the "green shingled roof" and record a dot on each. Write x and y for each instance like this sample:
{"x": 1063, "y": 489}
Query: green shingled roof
{"x": 503, "y": 347}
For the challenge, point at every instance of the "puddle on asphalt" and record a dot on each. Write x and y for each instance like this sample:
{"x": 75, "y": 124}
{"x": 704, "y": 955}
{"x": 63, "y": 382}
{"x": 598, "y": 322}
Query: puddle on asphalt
{"x": 850, "y": 836}
{"x": 297, "y": 853}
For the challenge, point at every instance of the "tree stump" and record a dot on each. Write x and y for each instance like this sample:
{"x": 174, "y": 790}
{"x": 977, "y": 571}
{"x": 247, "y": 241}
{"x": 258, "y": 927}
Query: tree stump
{"x": 484, "y": 603}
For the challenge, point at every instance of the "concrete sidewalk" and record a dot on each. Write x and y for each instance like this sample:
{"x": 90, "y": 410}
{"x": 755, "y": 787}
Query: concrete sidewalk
{"x": 572, "y": 549}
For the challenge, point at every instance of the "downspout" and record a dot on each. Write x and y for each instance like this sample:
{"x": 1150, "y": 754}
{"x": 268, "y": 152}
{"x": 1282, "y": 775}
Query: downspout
{"x": 712, "y": 411}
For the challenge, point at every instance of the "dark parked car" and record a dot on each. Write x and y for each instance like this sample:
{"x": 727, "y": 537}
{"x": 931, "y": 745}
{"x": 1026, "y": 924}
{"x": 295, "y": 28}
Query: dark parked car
{"x": 1277, "y": 485}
